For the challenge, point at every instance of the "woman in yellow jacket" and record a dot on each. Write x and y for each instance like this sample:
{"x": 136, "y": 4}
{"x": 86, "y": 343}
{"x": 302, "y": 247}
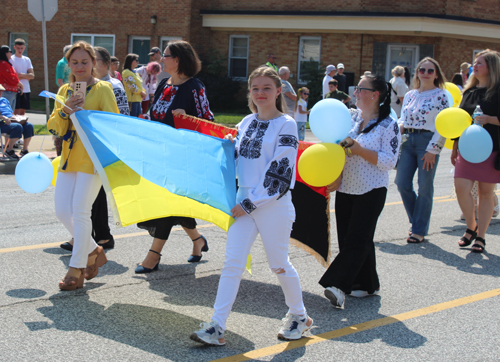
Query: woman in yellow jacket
{"x": 77, "y": 181}
{"x": 133, "y": 84}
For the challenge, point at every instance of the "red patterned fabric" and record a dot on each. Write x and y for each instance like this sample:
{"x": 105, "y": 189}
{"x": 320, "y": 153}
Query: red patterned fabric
{"x": 8, "y": 76}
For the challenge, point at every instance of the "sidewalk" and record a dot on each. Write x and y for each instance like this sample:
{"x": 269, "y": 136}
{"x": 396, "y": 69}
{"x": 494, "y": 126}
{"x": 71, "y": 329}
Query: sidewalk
{"x": 42, "y": 144}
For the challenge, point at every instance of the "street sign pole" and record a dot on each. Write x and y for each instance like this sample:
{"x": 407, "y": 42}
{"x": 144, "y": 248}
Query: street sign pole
{"x": 45, "y": 61}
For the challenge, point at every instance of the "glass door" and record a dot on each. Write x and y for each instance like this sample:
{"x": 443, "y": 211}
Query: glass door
{"x": 405, "y": 55}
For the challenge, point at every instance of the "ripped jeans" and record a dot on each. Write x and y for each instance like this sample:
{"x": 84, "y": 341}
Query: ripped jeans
{"x": 274, "y": 223}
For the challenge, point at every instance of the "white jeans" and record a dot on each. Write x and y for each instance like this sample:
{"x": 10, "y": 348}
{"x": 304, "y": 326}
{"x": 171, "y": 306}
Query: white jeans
{"x": 74, "y": 196}
{"x": 274, "y": 223}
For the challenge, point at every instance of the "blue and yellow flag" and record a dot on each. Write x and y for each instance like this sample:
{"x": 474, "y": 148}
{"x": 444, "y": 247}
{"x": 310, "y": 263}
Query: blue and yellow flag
{"x": 150, "y": 170}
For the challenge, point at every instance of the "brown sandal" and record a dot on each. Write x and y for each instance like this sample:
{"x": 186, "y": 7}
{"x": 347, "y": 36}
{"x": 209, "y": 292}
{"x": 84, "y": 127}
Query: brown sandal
{"x": 92, "y": 270}
{"x": 72, "y": 283}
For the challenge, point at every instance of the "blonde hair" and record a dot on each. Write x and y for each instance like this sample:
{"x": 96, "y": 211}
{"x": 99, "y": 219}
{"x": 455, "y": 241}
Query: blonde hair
{"x": 399, "y": 70}
{"x": 84, "y": 46}
{"x": 299, "y": 95}
{"x": 438, "y": 82}
{"x": 492, "y": 61}
{"x": 265, "y": 71}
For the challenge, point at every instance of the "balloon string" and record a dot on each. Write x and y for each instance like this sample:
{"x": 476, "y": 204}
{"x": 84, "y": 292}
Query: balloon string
{"x": 43, "y": 139}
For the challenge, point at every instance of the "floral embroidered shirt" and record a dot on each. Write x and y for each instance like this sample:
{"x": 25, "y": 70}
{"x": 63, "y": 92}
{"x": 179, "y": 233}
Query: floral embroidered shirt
{"x": 189, "y": 96}
{"x": 266, "y": 153}
{"x": 419, "y": 111}
{"x": 359, "y": 175}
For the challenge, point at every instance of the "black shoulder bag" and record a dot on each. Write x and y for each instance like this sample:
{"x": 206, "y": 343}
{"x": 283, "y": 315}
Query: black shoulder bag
{"x": 399, "y": 100}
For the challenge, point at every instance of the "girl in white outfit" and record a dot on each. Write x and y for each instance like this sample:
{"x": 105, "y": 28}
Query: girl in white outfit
{"x": 266, "y": 153}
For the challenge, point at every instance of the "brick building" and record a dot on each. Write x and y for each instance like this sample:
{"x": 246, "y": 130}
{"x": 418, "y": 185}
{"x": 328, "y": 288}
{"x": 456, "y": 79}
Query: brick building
{"x": 362, "y": 34}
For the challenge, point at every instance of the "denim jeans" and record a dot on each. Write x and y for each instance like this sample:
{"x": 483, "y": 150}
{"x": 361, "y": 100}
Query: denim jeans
{"x": 11, "y": 97}
{"x": 418, "y": 207}
{"x": 301, "y": 129}
{"x": 135, "y": 109}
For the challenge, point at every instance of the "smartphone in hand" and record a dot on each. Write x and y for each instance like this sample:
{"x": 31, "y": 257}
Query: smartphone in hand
{"x": 81, "y": 89}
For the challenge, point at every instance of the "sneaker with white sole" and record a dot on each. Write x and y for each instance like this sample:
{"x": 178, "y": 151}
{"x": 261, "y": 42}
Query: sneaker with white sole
{"x": 363, "y": 293}
{"x": 294, "y": 326}
{"x": 210, "y": 334}
{"x": 336, "y": 296}
{"x": 12, "y": 154}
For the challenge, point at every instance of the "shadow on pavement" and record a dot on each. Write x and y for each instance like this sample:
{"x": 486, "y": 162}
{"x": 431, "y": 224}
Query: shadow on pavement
{"x": 157, "y": 331}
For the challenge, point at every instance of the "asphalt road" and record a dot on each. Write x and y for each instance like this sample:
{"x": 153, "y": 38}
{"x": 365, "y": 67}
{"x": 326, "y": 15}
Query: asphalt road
{"x": 438, "y": 302}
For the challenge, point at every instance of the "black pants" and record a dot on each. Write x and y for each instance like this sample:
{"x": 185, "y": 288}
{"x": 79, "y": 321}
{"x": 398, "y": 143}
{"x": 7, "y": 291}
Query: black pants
{"x": 354, "y": 268}
{"x": 99, "y": 216}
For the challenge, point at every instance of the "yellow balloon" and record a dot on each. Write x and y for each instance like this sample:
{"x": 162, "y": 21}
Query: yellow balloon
{"x": 321, "y": 164}
{"x": 55, "y": 166}
{"x": 451, "y": 122}
{"x": 455, "y": 93}
{"x": 449, "y": 144}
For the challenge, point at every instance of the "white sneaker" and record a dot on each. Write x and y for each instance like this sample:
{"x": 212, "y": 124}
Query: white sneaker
{"x": 210, "y": 334}
{"x": 336, "y": 296}
{"x": 363, "y": 293}
{"x": 294, "y": 326}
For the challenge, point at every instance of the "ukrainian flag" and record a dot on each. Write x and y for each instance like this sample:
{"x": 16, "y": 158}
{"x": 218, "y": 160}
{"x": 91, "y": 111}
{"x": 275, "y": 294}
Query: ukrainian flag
{"x": 150, "y": 170}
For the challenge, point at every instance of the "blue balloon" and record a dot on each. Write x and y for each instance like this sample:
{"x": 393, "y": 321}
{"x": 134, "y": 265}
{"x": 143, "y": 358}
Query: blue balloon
{"x": 450, "y": 98}
{"x": 394, "y": 114}
{"x": 330, "y": 120}
{"x": 475, "y": 144}
{"x": 34, "y": 172}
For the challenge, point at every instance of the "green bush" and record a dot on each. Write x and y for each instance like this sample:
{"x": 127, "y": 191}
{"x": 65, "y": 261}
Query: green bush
{"x": 313, "y": 73}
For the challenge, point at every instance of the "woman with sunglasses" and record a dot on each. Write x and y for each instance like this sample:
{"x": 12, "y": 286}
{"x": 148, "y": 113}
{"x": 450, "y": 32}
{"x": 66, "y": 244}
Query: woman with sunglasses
{"x": 421, "y": 150}
{"x": 181, "y": 93}
{"x": 8, "y": 77}
{"x": 482, "y": 88}
{"x": 372, "y": 147}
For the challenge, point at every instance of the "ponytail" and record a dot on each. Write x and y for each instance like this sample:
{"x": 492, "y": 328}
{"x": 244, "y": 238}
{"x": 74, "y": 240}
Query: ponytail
{"x": 384, "y": 88}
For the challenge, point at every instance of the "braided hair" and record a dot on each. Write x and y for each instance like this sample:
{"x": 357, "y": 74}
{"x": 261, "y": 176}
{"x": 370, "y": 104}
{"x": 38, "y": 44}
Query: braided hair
{"x": 384, "y": 88}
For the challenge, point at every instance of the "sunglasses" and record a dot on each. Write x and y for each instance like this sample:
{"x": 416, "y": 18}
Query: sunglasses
{"x": 168, "y": 56}
{"x": 359, "y": 89}
{"x": 306, "y": 94}
{"x": 429, "y": 71}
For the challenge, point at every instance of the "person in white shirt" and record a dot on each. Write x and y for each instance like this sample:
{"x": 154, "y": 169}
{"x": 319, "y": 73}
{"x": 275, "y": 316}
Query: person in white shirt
{"x": 372, "y": 148}
{"x": 288, "y": 91}
{"x": 148, "y": 74}
{"x": 301, "y": 112}
{"x": 420, "y": 152}
{"x": 399, "y": 89}
{"x": 22, "y": 65}
{"x": 266, "y": 153}
{"x": 329, "y": 73}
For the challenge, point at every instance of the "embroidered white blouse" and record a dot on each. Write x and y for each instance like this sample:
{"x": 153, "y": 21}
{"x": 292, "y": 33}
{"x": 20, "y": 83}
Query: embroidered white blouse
{"x": 265, "y": 153}
{"x": 420, "y": 110}
{"x": 359, "y": 175}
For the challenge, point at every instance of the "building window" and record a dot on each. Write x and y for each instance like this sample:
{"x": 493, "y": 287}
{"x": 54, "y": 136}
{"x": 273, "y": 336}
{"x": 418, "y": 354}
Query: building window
{"x": 105, "y": 41}
{"x": 309, "y": 55}
{"x": 405, "y": 55}
{"x": 14, "y": 36}
{"x": 140, "y": 45}
{"x": 238, "y": 56}
{"x": 165, "y": 39}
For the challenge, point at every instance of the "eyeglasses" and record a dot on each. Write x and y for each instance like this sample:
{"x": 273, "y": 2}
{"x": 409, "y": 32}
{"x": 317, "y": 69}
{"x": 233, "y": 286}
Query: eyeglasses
{"x": 429, "y": 71}
{"x": 359, "y": 89}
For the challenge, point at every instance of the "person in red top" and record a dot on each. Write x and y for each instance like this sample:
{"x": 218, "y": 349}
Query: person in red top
{"x": 8, "y": 76}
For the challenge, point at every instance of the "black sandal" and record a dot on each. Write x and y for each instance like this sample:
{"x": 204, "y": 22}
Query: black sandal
{"x": 414, "y": 240}
{"x": 465, "y": 241}
{"x": 479, "y": 248}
